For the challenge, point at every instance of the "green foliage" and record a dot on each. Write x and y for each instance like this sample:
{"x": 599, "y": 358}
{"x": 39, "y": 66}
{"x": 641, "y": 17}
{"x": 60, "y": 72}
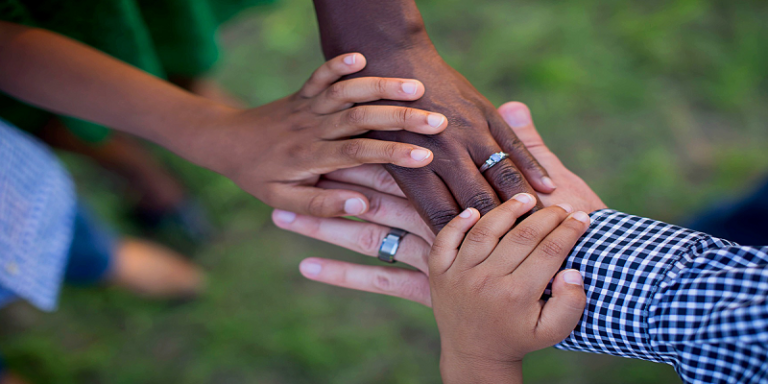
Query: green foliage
{"x": 659, "y": 105}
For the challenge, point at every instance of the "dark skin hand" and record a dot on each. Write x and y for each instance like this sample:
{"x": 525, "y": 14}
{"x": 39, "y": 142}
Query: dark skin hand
{"x": 392, "y": 36}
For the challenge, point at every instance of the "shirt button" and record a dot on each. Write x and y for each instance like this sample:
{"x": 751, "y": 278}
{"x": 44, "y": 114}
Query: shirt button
{"x": 12, "y": 268}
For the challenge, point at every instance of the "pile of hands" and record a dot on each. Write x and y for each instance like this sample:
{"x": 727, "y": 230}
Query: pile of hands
{"x": 353, "y": 146}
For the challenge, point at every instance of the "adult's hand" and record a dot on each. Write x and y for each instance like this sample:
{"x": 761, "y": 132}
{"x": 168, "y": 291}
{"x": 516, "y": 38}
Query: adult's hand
{"x": 389, "y": 208}
{"x": 392, "y": 36}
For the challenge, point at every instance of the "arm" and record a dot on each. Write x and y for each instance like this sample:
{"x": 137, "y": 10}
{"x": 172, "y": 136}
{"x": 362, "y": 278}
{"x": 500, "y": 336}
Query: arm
{"x": 275, "y": 152}
{"x": 654, "y": 291}
{"x": 392, "y": 34}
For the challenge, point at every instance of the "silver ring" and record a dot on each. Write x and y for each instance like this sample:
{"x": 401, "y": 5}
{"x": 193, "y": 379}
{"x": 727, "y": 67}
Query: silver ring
{"x": 390, "y": 244}
{"x": 493, "y": 160}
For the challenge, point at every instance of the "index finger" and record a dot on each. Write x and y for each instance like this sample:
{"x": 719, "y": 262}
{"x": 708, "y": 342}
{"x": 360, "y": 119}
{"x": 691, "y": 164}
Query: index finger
{"x": 330, "y": 72}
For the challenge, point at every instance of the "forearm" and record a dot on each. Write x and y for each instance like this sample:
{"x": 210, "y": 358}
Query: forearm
{"x": 69, "y": 78}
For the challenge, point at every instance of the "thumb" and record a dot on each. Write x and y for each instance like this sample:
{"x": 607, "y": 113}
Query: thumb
{"x": 320, "y": 202}
{"x": 518, "y": 116}
{"x": 563, "y": 310}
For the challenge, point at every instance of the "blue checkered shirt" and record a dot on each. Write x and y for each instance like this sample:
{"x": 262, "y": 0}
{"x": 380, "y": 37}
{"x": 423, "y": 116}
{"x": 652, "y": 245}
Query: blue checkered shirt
{"x": 37, "y": 205}
{"x": 667, "y": 294}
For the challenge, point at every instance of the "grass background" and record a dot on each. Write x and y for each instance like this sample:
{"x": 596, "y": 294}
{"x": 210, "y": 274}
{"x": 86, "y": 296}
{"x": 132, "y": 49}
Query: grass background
{"x": 659, "y": 105}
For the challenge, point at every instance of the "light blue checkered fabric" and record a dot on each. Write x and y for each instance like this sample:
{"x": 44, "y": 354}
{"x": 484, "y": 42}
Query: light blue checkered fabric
{"x": 37, "y": 206}
{"x": 667, "y": 294}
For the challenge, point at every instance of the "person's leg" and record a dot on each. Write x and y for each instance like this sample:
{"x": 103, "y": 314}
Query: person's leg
{"x": 97, "y": 256}
{"x": 743, "y": 221}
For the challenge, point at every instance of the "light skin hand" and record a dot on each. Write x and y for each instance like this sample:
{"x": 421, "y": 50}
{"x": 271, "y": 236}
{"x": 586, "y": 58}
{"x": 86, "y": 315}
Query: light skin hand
{"x": 389, "y": 208}
{"x": 572, "y": 189}
{"x": 487, "y": 280}
{"x": 276, "y": 152}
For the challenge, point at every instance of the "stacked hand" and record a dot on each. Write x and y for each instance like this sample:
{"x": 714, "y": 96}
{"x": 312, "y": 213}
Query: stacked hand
{"x": 487, "y": 282}
{"x": 476, "y": 130}
{"x": 278, "y": 151}
{"x": 389, "y": 209}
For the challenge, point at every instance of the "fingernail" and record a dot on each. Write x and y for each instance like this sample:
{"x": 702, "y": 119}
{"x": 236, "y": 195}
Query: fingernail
{"x": 523, "y": 198}
{"x": 573, "y": 276}
{"x": 409, "y": 87}
{"x": 349, "y": 59}
{"x": 566, "y": 207}
{"x": 310, "y": 268}
{"x": 284, "y": 216}
{"x": 354, "y": 206}
{"x": 465, "y": 214}
{"x": 435, "y": 120}
{"x": 420, "y": 154}
{"x": 581, "y": 216}
{"x": 548, "y": 182}
{"x": 518, "y": 118}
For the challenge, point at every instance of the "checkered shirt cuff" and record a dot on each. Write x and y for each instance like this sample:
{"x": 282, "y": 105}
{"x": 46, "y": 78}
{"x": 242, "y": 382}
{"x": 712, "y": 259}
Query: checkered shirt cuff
{"x": 667, "y": 294}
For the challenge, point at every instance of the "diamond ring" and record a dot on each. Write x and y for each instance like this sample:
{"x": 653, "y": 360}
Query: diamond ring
{"x": 493, "y": 160}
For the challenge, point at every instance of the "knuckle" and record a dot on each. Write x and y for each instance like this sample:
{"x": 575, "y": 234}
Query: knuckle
{"x": 316, "y": 205}
{"x": 405, "y": 114}
{"x": 482, "y": 201}
{"x": 508, "y": 178}
{"x": 383, "y": 181}
{"x": 524, "y": 235}
{"x": 574, "y": 226}
{"x": 355, "y": 116}
{"x": 352, "y": 149}
{"x": 368, "y": 239}
{"x": 390, "y": 150}
{"x": 530, "y": 163}
{"x": 382, "y": 282}
{"x": 552, "y": 248}
{"x": 316, "y": 76}
{"x": 380, "y": 86}
{"x": 479, "y": 235}
{"x": 439, "y": 218}
{"x": 336, "y": 91}
{"x": 469, "y": 122}
{"x": 376, "y": 205}
{"x": 404, "y": 288}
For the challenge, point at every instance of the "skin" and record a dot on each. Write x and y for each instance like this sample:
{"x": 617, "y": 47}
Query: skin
{"x": 276, "y": 152}
{"x": 389, "y": 209}
{"x": 487, "y": 280}
{"x": 392, "y": 35}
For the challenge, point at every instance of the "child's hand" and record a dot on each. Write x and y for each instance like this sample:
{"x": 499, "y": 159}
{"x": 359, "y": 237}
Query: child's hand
{"x": 278, "y": 151}
{"x": 487, "y": 288}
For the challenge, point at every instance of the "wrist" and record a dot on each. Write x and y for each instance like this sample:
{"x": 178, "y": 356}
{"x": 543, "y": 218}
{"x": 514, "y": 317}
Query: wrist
{"x": 375, "y": 29}
{"x": 193, "y": 129}
{"x": 465, "y": 369}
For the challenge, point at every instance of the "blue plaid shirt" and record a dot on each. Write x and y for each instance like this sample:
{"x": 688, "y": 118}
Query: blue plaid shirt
{"x": 37, "y": 206}
{"x": 667, "y": 294}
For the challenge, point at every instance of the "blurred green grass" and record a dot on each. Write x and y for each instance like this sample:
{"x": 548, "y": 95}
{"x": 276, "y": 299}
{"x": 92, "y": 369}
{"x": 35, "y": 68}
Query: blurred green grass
{"x": 659, "y": 105}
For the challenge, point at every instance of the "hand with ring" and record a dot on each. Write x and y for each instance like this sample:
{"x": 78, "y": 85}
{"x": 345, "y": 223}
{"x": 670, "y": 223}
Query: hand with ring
{"x": 390, "y": 209}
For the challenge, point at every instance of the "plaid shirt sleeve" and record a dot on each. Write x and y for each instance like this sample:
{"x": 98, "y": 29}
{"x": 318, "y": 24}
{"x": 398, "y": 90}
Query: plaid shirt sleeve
{"x": 667, "y": 294}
